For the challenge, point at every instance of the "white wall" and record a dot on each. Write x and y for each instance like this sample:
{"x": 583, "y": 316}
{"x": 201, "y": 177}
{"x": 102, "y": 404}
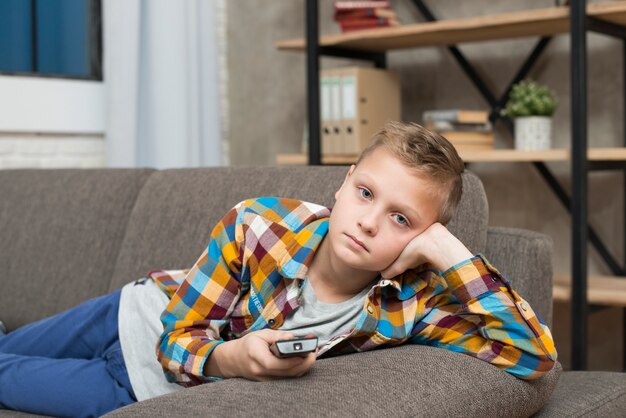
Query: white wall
{"x": 51, "y": 123}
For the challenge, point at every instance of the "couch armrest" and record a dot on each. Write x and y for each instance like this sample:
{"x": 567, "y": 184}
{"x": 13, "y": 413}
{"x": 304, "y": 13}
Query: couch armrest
{"x": 525, "y": 258}
{"x": 409, "y": 380}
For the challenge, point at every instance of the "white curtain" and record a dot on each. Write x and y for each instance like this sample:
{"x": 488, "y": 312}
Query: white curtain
{"x": 162, "y": 83}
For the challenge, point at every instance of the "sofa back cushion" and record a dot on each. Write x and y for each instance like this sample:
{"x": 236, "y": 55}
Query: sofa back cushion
{"x": 60, "y": 233}
{"x": 176, "y": 210}
{"x": 471, "y": 219}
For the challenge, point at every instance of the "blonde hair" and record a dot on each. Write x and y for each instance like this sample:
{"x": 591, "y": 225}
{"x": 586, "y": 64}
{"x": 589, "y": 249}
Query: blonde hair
{"x": 427, "y": 153}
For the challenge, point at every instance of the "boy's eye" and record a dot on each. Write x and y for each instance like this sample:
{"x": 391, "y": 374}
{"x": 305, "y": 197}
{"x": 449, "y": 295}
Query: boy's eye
{"x": 401, "y": 219}
{"x": 365, "y": 193}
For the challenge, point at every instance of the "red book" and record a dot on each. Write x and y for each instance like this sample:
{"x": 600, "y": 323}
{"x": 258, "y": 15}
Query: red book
{"x": 360, "y": 13}
{"x": 351, "y": 5}
{"x": 380, "y": 21}
{"x": 348, "y": 30}
{"x": 356, "y": 25}
{"x": 365, "y": 21}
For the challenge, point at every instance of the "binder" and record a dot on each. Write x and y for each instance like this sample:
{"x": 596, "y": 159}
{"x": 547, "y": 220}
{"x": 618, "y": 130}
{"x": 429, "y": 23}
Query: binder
{"x": 349, "y": 112}
{"x": 357, "y": 102}
{"x": 377, "y": 102}
{"x": 325, "y": 128}
{"x": 330, "y": 93}
{"x": 336, "y": 136}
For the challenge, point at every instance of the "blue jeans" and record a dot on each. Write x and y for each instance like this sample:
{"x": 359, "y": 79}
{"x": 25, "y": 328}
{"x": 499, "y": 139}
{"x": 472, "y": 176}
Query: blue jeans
{"x": 70, "y": 364}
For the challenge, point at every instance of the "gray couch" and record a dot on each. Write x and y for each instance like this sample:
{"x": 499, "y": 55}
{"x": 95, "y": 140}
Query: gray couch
{"x": 69, "y": 235}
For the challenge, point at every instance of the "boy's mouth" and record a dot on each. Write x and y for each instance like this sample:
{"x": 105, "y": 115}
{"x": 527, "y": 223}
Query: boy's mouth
{"x": 356, "y": 242}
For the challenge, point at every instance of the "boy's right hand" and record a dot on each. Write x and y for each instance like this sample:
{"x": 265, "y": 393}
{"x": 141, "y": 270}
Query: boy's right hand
{"x": 250, "y": 357}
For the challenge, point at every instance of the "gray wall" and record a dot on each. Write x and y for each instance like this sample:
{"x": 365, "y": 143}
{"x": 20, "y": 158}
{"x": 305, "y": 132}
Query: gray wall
{"x": 266, "y": 92}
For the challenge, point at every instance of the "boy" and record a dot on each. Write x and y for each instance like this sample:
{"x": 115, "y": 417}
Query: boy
{"x": 380, "y": 269}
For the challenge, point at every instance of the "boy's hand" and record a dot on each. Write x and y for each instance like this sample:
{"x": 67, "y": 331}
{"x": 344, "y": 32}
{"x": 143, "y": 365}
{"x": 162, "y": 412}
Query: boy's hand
{"x": 436, "y": 246}
{"x": 252, "y": 359}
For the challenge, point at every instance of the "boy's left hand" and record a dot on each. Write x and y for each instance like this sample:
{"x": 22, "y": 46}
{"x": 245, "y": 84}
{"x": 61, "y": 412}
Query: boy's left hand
{"x": 436, "y": 246}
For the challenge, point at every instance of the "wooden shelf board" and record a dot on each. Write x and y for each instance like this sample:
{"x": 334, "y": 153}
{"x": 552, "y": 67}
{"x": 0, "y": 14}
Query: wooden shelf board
{"x": 607, "y": 154}
{"x": 601, "y": 290}
{"x": 538, "y": 22}
{"x": 496, "y": 155}
{"x": 302, "y": 159}
{"x": 511, "y": 155}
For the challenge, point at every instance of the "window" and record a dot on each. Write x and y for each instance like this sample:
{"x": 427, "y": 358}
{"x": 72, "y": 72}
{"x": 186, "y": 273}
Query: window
{"x": 60, "y": 38}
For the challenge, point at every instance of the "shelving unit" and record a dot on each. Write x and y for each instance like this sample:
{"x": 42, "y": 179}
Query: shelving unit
{"x": 496, "y": 155}
{"x": 608, "y": 18}
{"x": 603, "y": 290}
{"x": 538, "y": 22}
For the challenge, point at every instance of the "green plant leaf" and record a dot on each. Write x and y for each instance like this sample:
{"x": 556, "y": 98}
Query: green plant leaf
{"x": 528, "y": 98}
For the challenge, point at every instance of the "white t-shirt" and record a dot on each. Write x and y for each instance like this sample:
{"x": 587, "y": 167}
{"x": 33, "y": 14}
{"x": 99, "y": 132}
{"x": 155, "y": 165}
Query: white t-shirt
{"x": 324, "y": 320}
{"x": 139, "y": 324}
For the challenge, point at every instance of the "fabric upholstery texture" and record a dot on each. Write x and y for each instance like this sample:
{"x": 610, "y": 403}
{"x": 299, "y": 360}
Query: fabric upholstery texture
{"x": 530, "y": 272}
{"x": 415, "y": 381}
{"x": 15, "y": 414}
{"x": 469, "y": 223}
{"x": 588, "y": 394}
{"x": 61, "y": 231}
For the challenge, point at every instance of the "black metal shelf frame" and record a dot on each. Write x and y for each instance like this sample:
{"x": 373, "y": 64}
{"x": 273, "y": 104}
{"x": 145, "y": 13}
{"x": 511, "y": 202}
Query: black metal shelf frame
{"x": 580, "y": 23}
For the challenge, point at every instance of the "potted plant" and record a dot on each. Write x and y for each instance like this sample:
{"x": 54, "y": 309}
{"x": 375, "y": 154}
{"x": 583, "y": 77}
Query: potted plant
{"x": 531, "y": 105}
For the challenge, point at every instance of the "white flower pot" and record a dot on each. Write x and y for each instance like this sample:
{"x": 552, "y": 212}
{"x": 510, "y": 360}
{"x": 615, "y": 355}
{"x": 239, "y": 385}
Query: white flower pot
{"x": 533, "y": 132}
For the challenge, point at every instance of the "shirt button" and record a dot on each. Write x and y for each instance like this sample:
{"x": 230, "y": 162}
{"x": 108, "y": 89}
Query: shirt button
{"x": 523, "y": 305}
{"x": 494, "y": 279}
{"x": 271, "y": 322}
{"x": 370, "y": 309}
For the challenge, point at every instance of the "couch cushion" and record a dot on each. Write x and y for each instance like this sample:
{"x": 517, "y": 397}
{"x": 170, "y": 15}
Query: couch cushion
{"x": 5, "y": 413}
{"x": 589, "y": 394}
{"x": 402, "y": 381}
{"x": 469, "y": 223}
{"x": 525, "y": 258}
{"x": 61, "y": 233}
{"x": 176, "y": 209}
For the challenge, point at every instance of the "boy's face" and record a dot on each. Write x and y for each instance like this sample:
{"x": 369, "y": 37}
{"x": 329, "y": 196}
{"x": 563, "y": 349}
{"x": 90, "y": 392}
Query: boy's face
{"x": 380, "y": 207}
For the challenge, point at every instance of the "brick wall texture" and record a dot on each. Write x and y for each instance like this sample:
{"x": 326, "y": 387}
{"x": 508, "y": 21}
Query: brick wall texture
{"x": 46, "y": 151}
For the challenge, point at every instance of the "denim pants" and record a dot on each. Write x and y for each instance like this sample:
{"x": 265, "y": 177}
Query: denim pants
{"x": 70, "y": 364}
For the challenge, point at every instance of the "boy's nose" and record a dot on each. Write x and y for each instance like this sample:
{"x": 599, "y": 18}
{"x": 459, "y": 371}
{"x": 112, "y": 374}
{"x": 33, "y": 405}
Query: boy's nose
{"x": 368, "y": 224}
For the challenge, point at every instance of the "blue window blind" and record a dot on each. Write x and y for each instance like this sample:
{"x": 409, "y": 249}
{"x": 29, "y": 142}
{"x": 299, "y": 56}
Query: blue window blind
{"x": 51, "y": 37}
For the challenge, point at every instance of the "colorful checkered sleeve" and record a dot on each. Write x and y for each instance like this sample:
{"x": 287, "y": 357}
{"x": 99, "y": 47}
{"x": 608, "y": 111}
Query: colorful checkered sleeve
{"x": 475, "y": 311}
{"x": 195, "y": 315}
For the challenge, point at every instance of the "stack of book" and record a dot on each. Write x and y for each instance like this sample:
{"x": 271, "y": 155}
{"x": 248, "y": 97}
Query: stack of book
{"x": 467, "y": 130}
{"x": 359, "y": 15}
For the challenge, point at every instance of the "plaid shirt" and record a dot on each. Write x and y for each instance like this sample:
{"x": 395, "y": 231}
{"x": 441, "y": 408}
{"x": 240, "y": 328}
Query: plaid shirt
{"x": 250, "y": 277}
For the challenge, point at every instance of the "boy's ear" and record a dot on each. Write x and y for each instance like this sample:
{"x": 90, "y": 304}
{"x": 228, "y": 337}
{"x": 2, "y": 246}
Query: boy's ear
{"x": 348, "y": 174}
